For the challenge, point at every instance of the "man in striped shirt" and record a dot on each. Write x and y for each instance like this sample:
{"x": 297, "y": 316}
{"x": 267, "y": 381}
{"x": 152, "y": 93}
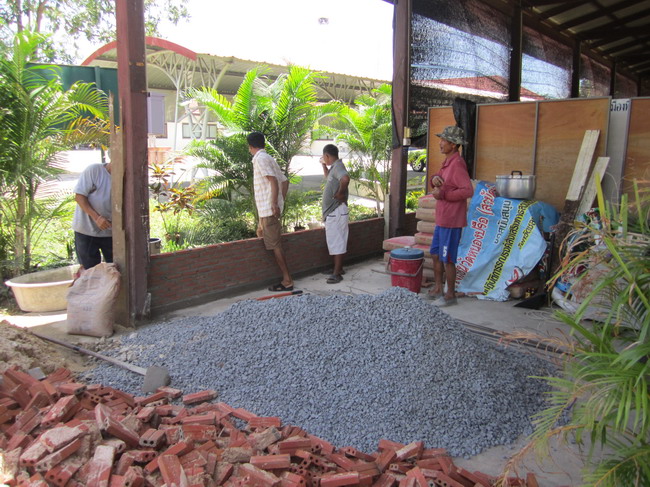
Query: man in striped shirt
{"x": 271, "y": 187}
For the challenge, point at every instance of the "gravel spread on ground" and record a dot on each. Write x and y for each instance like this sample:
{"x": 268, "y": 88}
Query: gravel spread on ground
{"x": 350, "y": 369}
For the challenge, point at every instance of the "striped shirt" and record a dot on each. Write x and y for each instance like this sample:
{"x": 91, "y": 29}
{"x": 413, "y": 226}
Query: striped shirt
{"x": 264, "y": 165}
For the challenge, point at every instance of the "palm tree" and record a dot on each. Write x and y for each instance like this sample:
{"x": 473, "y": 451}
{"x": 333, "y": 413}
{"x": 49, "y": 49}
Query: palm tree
{"x": 366, "y": 129}
{"x": 40, "y": 121}
{"x": 285, "y": 111}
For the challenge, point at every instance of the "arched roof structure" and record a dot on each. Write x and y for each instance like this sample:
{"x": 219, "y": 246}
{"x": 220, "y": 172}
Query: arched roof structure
{"x": 171, "y": 66}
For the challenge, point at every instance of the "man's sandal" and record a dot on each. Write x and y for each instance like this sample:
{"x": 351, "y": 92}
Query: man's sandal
{"x": 280, "y": 287}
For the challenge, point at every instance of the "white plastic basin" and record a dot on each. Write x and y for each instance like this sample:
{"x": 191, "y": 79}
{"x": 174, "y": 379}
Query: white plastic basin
{"x": 44, "y": 290}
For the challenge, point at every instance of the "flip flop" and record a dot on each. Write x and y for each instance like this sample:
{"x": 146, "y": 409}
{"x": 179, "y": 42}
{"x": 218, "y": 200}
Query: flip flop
{"x": 441, "y": 302}
{"x": 280, "y": 287}
{"x": 334, "y": 279}
{"x": 330, "y": 272}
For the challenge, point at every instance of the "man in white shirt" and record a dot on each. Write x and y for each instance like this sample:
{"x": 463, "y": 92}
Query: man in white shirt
{"x": 92, "y": 217}
{"x": 271, "y": 187}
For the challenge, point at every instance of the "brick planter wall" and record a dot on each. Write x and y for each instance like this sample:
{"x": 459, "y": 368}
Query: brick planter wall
{"x": 194, "y": 276}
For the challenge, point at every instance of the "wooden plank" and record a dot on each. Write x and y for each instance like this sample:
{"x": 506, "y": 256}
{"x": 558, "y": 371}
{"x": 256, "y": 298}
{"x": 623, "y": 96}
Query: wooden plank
{"x": 505, "y": 139}
{"x": 439, "y": 118}
{"x": 583, "y": 164}
{"x": 637, "y": 158}
{"x": 561, "y": 128}
{"x": 590, "y": 190}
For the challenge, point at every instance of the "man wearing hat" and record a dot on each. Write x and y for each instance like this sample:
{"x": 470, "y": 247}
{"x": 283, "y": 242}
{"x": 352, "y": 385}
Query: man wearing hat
{"x": 451, "y": 188}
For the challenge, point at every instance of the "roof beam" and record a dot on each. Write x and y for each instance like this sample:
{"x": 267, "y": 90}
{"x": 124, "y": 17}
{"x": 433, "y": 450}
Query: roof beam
{"x": 552, "y": 12}
{"x": 543, "y": 3}
{"x": 605, "y": 11}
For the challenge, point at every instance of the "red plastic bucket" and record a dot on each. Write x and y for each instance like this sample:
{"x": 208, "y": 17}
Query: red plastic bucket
{"x": 406, "y": 268}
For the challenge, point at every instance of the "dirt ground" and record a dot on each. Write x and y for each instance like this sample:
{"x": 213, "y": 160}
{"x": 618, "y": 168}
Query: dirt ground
{"x": 18, "y": 346}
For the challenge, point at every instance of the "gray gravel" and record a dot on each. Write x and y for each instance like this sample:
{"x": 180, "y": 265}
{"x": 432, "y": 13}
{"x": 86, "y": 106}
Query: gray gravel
{"x": 351, "y": 369}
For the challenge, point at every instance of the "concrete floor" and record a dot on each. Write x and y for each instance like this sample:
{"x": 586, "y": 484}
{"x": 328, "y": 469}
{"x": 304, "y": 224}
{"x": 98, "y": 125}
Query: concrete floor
{"x": 561, "y": 468}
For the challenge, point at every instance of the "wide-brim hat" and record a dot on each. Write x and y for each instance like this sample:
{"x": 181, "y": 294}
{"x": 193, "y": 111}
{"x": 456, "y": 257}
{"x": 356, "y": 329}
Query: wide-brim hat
{"x": 453, "y": 134}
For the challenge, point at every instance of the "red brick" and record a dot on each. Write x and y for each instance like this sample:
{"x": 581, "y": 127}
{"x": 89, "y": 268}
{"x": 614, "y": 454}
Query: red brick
{"x": 102, "y": 463}
{"x": 263, "y": 439}
{"x": 152, "y": 438}
{"x": 197, "y": 397}
{"x": 389, "y": 445}
{"x": 271, "y": 462}
{"x": 411, "y": 450}
{"x": 198, "y": 432}
{"x": 259, "y": 422}
{"x": 62, "y": 473}
{"x": 39, "y": 400}
{"x": 107, "y": 423}
{"x": 353, "y": 452}
{"x": 325, "y": 447}
{"x": 143, "y": 456}
{"x": 294, "y": 443}
{"x": 206, "y": 418}
{"x": 170, "y": 392}
{"x": 259, "y": 476}
{"x": 55, "y": 438}
{"x": 19, "y": 440}
{"x": 224, "y": 471}
{"x": 155, "y": 397}
{"x": 386, "y": 457}
{"x": 53, "y": 459}
{"x": 71, "y": 388}
{"x": 531, "y": 480}
{"x": 145, "y": 414}
{"x": 61, "y": 411}
{"x": 33, "y": 454}
{"x": 442, "y": 479}
{"x": 476, "y": 480}
{"x": 417, "y": 474}
{"x": 407, "y": 482}
{"x": 126, "y": 460}
{"x": 177, "y": 449}
{"x": 339, "y": 479}
{"x": 172, "y": 471}
{"x": 385, "y": 480}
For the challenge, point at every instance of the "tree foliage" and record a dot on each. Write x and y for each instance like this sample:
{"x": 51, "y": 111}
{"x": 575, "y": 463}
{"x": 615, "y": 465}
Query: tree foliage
{"x": 602, "y": 399}
{"x": 93, "y": 20}
{"x": 39, "y": 120}
{"x": 366, "y": 129}
{"x": 284, "y": 110}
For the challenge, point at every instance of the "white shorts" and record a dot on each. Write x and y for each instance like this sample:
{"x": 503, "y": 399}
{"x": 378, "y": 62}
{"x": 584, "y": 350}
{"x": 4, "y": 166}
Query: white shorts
{"x": 336, "y": 230}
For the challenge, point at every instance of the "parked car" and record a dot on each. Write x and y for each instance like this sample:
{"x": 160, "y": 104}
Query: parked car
{"x": 417, "y": 159}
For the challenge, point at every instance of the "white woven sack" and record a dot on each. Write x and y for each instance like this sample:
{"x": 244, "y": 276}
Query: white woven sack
{"x": 91, "y": 300}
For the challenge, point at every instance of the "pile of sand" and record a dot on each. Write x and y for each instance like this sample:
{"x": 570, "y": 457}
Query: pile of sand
{"x": 20, "y": 347}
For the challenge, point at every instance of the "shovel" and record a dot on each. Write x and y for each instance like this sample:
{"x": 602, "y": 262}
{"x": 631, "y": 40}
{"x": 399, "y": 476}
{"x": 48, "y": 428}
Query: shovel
{"x": 154, "y": 376}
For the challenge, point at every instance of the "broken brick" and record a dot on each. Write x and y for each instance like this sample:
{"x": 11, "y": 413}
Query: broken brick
{"x": 197, "y": 397}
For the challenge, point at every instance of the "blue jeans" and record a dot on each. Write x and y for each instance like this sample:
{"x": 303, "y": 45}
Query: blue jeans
{"x": 88, "y": 249}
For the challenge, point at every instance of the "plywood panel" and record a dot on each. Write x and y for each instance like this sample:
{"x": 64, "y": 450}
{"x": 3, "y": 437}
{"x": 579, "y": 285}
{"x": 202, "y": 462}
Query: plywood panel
{"x": 505, "y": 139}
{"x": 637, "y": 159}
{"x": 439, "y": 118}
{"x": 560, "y": 131}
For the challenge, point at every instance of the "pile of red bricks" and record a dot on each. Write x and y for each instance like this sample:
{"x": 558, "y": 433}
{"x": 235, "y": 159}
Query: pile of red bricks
{"x": 56, "y": 432}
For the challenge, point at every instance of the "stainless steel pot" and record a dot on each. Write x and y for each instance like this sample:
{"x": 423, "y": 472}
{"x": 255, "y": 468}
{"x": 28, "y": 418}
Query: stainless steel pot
{"x": 516, "y": 186}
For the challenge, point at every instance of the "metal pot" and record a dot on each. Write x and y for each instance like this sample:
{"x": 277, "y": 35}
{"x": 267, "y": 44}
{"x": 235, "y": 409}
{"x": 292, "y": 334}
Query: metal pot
{"x": 516, "y": 186}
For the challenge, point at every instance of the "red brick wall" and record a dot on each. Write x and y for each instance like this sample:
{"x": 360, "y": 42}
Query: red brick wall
{"x": 193, "y": 276}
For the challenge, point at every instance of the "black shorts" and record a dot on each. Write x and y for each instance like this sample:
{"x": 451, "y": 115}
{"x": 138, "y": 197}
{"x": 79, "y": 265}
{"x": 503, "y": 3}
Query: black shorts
{"x": 88, "y": 249}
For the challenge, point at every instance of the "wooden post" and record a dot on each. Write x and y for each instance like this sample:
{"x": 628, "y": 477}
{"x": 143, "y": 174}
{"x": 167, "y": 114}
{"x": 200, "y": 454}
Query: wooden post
{"x": 401, "y": 83}
{"x": 132, "y": 81}
{"x": 575, "y": 69}
{"x": 516, "y": 36}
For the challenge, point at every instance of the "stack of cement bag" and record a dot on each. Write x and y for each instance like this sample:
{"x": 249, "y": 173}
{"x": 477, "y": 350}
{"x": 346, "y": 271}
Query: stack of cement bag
{"x": 426, "y": 216}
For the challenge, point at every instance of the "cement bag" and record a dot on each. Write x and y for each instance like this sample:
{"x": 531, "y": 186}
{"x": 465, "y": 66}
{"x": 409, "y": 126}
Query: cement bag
{"x": 91, "y": 300}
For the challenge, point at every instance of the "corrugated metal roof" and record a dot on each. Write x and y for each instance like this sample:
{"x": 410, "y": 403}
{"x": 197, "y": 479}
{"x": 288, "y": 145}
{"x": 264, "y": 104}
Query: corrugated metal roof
{"x": 617, "y": 30}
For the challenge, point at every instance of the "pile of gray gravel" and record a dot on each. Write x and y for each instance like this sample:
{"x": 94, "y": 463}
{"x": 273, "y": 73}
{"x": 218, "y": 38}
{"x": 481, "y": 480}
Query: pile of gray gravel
{"x": 350, "y": 369}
